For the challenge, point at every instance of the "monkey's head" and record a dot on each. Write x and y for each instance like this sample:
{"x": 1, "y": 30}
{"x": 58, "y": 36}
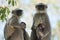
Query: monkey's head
{"x": 23, "y": 25}
{"x": 17, "y": 12}
{"x": 41, "y": 7}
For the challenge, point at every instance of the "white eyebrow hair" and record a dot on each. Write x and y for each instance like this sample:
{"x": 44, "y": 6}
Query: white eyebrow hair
{"x": 41, "y": 11}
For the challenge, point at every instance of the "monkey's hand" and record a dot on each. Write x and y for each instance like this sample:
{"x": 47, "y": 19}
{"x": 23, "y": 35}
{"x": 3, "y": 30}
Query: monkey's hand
{"x": 22, "y": 25}
{"x": 41, "y": 34}
{"x": 45, "y": 35}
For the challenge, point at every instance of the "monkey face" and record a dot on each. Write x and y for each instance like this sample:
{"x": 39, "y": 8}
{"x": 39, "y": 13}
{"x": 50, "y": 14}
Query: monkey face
{"x": 41, "y": 6}
{"x": 41, "y": 27}
{"x": 17, "y": 12}
{"x": 23, "y": 25}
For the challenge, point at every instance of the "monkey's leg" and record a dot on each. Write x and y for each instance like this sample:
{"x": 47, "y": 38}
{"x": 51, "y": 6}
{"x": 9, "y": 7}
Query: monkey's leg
{"x": 33, "y": 35}
{"x": 26, "y": 36}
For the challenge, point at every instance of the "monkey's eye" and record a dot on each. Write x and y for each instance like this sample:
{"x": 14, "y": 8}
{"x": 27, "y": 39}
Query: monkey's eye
{"x": 41, "y": 7}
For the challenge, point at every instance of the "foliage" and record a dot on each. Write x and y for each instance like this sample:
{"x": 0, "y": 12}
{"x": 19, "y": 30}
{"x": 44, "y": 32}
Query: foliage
{"x": 12, "y": 2}
{"x": 4, "y": 11}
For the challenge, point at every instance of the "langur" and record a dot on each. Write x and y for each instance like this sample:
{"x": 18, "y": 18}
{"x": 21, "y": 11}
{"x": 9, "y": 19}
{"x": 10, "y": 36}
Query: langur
{"x": 13, "y": 29}
{"x": 41, "y": 29}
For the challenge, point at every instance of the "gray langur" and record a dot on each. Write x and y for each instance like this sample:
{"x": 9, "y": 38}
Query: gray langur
{"x": 13, "y": 29}
{"x": 41, "y": 29}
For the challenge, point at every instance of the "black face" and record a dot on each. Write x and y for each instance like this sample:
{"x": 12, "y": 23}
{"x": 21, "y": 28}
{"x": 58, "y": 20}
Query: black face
{"x": 41, "y": 6}
{"x": 18, "y": 12}
{"x": 23, "y": 24}
{"x": 41, "y": 27}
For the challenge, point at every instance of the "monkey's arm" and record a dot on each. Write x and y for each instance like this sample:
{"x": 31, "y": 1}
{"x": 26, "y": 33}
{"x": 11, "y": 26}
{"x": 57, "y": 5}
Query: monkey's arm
{"x": 18, "y": 26}
{"x": 8, "y": 30}
{"x": 15, "y": 24}
{"x": 41, "y": 34}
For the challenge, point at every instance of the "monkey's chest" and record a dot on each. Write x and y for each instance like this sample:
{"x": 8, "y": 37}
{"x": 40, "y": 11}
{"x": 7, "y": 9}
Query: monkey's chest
{"x": 38, "y": 20}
